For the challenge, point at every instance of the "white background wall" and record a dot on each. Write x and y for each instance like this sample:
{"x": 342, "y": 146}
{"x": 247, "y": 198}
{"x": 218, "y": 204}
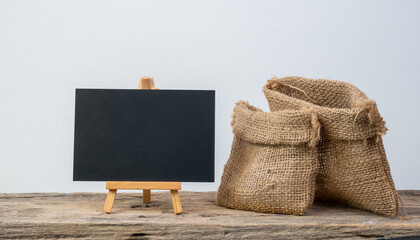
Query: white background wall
{"x": 49, "y": 48}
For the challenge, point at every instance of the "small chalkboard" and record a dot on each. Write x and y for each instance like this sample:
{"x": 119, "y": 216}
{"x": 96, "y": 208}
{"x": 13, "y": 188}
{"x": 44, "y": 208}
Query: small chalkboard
{"x": 144, "y": 135}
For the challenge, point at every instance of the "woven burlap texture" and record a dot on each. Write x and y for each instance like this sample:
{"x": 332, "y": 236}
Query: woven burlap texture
{"x": 273, "y": 161}
{"x": 353, "y": 168}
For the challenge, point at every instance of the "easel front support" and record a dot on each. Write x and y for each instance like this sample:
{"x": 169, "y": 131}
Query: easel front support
{"x": 147, "y": 83}
{"x": 109, "y": 202}
{"x": 176, "y": 201}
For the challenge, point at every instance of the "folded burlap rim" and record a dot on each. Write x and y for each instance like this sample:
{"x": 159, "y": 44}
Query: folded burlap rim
{"x": 292, "y": 127}
{"x": 356, "y": 119}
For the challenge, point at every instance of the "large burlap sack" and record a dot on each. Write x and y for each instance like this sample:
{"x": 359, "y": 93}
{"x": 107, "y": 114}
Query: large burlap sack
{"x": 273, "y": 161}
{"x": 353, "y": 167}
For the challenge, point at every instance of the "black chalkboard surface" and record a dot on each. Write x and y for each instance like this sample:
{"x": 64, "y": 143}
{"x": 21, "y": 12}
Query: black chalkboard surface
{"x": 144, "y": 135}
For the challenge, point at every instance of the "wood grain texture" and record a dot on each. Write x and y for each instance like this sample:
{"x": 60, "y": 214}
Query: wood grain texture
{"x": 79, "y": 215}
{"x": 176, "y": 201}
{"x": 109, "y": 202}
{"x": 144, "y": 185}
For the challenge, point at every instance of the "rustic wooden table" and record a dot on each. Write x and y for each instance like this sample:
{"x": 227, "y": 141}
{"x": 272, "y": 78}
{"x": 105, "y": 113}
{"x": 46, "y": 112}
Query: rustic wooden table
{"x": 79, "y": 216}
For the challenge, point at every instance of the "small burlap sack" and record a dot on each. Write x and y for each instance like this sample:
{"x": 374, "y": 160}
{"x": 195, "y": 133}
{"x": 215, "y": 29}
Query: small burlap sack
{"x": 273, "y": 161}
{"x": 353, "y": 168}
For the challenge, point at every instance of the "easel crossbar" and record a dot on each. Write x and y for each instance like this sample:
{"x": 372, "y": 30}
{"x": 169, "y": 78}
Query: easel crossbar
{"x": 144, "y": 185}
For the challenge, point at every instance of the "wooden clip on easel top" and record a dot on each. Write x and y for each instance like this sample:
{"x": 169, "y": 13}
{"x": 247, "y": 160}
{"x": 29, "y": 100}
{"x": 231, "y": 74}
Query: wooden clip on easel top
{"x": 146, "y": 83}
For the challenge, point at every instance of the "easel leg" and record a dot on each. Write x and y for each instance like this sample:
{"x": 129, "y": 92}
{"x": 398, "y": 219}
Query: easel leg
{"x": 146, "y": 196}
{"x": 176, "y": 201}
{"x": 110, "y": 200}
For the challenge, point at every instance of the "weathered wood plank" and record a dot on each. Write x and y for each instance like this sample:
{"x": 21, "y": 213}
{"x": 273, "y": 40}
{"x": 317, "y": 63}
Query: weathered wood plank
{"x": 80, "y": 216}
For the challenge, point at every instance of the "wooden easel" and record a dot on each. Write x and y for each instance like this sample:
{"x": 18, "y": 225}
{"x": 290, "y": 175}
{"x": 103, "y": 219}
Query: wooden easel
{"x": 145, "y": 83}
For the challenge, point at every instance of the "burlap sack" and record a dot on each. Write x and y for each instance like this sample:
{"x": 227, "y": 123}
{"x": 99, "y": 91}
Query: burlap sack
{"x": 273, "y": 161}
{"x": 353, "y": 168}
